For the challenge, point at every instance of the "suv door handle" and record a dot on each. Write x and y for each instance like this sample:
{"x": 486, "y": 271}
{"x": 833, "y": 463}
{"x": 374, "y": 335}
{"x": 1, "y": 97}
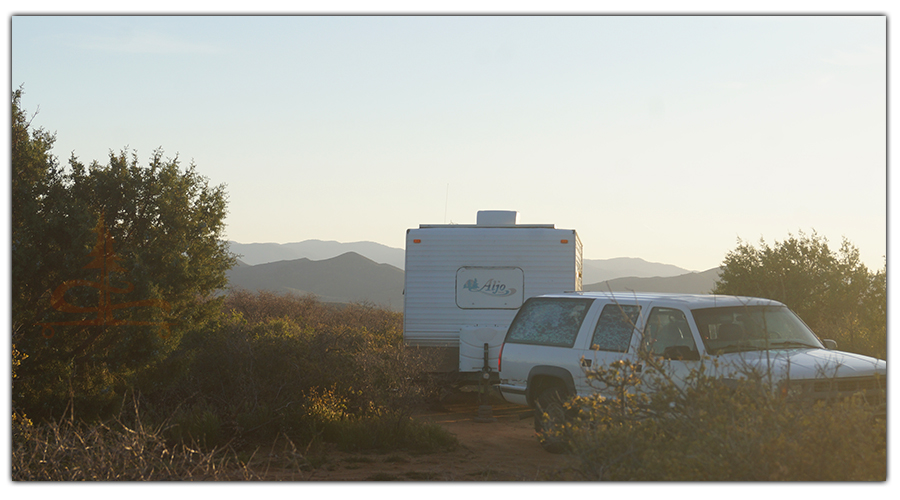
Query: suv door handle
{"x": 585, "y": 363}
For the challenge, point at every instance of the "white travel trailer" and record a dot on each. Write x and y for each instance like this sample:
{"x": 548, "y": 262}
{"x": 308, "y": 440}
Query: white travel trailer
{"x": 465, "y": 283}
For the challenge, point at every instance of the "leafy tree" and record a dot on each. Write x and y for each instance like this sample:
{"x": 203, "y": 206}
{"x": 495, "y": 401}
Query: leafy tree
{"x": 110, "y": 265}
{"x": 834, "y": 293}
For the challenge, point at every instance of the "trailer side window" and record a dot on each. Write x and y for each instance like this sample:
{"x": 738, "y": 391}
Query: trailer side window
{"x": 548, "y": 321}
{"x": 615, "y": 328}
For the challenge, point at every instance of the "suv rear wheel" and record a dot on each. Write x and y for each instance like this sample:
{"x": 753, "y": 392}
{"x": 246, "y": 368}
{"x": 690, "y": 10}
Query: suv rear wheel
{"x": 549, "y": 413}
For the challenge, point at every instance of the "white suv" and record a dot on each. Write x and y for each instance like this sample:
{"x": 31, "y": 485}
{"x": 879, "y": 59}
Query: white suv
{"x": 555, "y": 338}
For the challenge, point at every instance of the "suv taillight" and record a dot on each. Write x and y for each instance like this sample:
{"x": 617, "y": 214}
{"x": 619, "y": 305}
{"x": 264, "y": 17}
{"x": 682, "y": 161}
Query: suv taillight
{"x": 500, "y": 356}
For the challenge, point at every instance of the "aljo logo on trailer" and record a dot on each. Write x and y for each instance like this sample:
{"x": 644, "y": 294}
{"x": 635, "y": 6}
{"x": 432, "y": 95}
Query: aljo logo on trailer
{"x": 489, "y": 287}
{"x": 492, "y": 287}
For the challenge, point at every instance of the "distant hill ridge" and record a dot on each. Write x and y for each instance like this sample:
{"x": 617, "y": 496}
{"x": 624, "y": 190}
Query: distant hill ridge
{"x": 262, "y": 253}
{"x": 596, "y": 270}
{"x": 701, "y": 283}
{"x": 349, "y": 277}
{"x": 352, "y": 277}
{"x": 593, "y": 270}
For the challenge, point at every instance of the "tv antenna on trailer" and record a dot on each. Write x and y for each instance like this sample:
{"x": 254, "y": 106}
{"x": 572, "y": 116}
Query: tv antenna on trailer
{"x": 446, "y": 202}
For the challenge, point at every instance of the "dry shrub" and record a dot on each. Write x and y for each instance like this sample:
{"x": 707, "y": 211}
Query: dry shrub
{"x": 713, "y": 430}
{"x": 386, "y": 433}
{"x": 271, "y": 368}
{"x": 261, "y": 306}
{"x": 69, "y": 451}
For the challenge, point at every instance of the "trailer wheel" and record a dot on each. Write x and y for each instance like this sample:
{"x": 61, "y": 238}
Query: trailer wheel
{"x": 549, "y": 413}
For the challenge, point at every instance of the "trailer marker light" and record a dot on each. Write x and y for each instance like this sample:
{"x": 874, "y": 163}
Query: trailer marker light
{"x": 417, "y": 241}
{"x": 563, "y": 241}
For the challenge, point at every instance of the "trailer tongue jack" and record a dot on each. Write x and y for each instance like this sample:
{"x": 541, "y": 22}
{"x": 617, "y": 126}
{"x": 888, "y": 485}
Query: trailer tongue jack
{"x": 485, "y": 410}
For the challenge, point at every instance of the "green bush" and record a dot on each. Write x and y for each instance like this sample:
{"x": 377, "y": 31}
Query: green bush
{"x": 277, "y": 365}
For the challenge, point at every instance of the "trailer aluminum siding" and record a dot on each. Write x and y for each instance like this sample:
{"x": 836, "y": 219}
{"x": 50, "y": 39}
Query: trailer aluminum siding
{"x": 432, "y": 317}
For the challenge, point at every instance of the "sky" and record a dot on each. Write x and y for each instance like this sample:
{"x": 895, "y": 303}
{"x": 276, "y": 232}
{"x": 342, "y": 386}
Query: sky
{"x": 666, "y": 138}
{"x": 663, "y": 138}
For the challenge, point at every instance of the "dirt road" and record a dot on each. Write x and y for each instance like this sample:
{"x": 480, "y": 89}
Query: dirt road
{"x": 503, "y": 450}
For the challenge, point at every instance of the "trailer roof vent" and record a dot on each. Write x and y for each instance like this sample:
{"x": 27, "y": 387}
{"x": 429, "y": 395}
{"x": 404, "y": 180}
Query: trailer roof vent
{"x": 497, "y": 218}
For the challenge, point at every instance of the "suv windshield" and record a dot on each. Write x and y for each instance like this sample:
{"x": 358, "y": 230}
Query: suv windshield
{"x": 751, "y": 328}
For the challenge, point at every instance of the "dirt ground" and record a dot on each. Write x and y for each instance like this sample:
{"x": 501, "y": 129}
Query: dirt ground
{"x": 503, "y": 450}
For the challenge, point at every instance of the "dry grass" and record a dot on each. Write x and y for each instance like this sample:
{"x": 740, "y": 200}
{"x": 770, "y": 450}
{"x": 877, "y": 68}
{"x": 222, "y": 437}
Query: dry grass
{"x": 68, "y": 451}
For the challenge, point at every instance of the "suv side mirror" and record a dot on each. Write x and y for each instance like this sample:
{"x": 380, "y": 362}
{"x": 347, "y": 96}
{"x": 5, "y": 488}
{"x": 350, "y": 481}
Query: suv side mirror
{"x": 829, "y": 344}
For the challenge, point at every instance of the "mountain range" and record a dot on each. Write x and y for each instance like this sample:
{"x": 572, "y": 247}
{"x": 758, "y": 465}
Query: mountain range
{"x": 262, "y": 253}
{"x": 349, "y": 277}
{"x": 686, "y": 283}
{"x": 373, "y": 273}
{"x": 593, "y": 270}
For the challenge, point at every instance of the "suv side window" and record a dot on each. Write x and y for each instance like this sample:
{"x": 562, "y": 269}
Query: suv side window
{"x": 668, "y": 334}
{"x": 615, "y": 327}
{"x": 549, "y": 321}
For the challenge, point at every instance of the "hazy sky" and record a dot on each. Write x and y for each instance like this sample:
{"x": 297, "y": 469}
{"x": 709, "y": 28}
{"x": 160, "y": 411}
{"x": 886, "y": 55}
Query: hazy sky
{"x": 664, "y": 138}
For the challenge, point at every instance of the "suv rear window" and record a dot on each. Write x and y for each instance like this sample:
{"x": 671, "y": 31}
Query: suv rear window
{"x": 548, "y": 321}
